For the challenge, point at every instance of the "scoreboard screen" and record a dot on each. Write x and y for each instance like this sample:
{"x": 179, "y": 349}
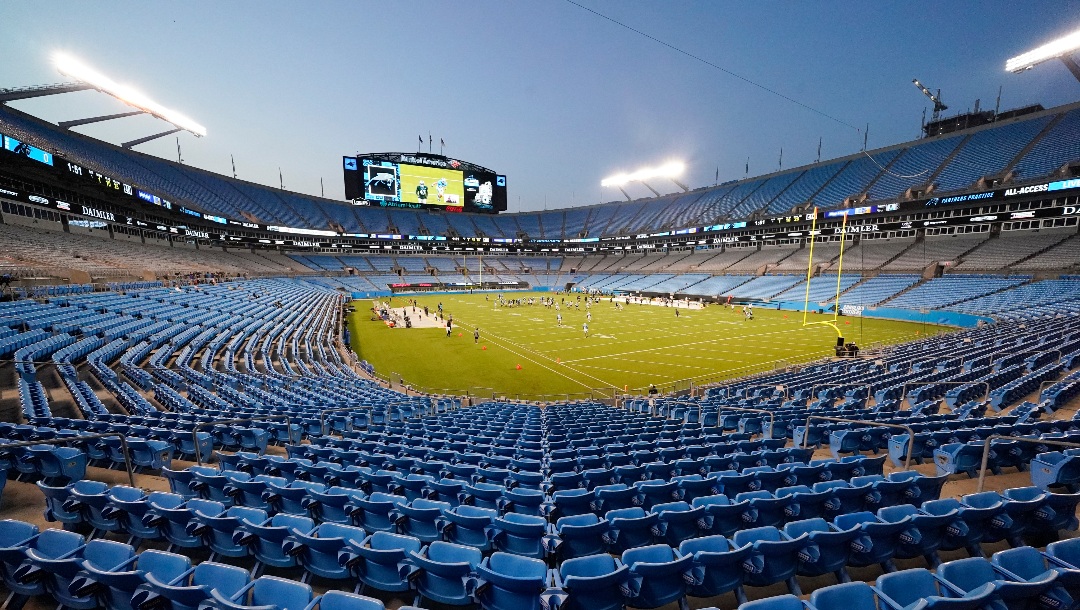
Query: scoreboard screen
{"x": 406, "y": 180}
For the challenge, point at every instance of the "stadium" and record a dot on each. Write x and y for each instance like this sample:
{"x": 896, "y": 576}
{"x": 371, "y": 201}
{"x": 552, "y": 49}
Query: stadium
{"x": 852, "y": 383}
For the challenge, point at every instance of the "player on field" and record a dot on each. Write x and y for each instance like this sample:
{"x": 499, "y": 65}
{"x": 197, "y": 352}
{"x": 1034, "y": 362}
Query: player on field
{"x": 558, "y": 317}
{"x": 585, "y": 328}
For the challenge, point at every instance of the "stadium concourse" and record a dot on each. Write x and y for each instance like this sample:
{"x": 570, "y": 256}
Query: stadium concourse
{"x": 270, "y": 467}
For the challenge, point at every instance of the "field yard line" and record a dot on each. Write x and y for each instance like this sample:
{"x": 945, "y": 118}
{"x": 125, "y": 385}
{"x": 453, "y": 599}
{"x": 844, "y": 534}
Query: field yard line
{"x": 516, "y": 353}
{"x": 653, "y": 349}
{"x": 690, "y": 333}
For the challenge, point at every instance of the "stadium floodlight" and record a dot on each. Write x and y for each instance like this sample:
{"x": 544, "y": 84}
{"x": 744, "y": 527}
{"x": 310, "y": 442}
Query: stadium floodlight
{"x": 670, "y": 170}
{"x": 1057, "y": 49}
{"x": 76, "y": 69}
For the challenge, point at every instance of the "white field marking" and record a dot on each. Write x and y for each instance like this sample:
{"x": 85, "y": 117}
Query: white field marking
{"x": 657, "y": 348}
{"x": 650, "y": 363}
{"x": 540, "y": 355}
{"x": 784, "y": 328}
{"x": 561, "y": 344}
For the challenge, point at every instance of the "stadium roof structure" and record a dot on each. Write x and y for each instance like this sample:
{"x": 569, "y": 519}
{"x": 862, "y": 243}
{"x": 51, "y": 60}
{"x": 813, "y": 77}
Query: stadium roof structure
{"x": 1016, "y": 150}
{"x": 88, "y": 78}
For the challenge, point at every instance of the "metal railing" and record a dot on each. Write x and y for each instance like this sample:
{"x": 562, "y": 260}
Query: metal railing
{"x": 908, "y": 429}
{"x": 1026, "y": 439}
{"x": 196, "y": 427}
{"x": 1045, "y": 384}
{"x": 71, "y": 440}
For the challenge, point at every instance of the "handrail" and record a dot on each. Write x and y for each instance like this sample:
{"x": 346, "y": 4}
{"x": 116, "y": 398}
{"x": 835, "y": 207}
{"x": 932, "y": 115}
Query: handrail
{"x": 1043, "y": 385}
{"x": 195, "y": 428}
{"x": 1028, "y": 439}
{"x": 908, "y": 429}
{"x": 67, "y": 440}
{"x": 904, "y": 396}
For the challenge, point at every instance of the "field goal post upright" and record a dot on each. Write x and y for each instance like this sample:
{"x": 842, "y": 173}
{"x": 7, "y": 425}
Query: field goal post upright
{"x": 839, "y": 271}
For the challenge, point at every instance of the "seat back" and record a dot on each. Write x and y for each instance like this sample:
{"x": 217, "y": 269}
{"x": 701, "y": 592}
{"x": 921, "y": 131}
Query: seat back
{"x": 850, "y": 596}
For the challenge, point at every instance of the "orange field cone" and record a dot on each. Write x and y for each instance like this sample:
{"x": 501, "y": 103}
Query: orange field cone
{"x": 484, "y": 348}
{"x": 519, "y": 367}
{"x": 557, "y": 361}
{"x": 459, "y": 334}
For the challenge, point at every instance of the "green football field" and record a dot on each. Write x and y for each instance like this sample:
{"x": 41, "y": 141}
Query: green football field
{"x": 628, "y": 349}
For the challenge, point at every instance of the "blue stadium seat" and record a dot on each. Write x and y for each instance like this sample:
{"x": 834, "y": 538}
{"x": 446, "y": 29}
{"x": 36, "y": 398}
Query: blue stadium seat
{"x": 265, "y": 592}
{"x": 511, "y": 582}
{"x": 420, "y": 519}
{"x": 678, "y": 521}
{"x": 721, "y": 515}
{"x": 773, "y": 559}
{"x": 15, "y": 538}
{"x": 777, "y": 602}
{"x": 581, "y": 535}
{"x": 317, "y": 551}
{"x": 824, "y": 549}
{"x": 89, "y": 499}
{"x": 377, "y": 560}
{"x": 1010, "y": 519}
{"x": 920, "y": 589}
{"x": 341, "y": 600}
{"x": 377, "y": 512}
{"x": 58, "y": 571}
{"x": 525, "y": 535}
{"x": 170, "y": 513}
{"x": 719, "y": 564}
{"x": 1027, "y": 564}
{"x": 877, "y": 540}
{"x": 441, "y": 571}
{"x": 973, "y": 574}
{"x": 114, "y": 588}
{"x": 630, "y": 528}
{"x": 265, "y": 540}
{"x": 1064, "y": 556}
{"x": 218, "y": 531}
{"x": 924, "y": 536}
{"x": 659, "y": 575}
{"x": 253, "y": 492}
{"x": 594, "y": 582}
{"x": 469, "y": 525}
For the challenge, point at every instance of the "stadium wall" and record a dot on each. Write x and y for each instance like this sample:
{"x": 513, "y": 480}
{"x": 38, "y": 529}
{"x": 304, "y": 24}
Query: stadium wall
{"x": 947, "y": 318}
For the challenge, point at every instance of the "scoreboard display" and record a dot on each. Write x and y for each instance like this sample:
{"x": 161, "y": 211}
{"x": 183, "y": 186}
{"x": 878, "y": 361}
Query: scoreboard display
{"x": 407, "y": 180}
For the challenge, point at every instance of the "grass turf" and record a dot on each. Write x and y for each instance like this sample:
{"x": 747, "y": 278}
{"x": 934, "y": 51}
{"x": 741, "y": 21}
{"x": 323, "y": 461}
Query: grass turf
{"x": 628, "y": 349}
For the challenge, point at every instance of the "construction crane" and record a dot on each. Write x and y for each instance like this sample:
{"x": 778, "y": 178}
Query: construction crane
{"x": 939, "y": 106}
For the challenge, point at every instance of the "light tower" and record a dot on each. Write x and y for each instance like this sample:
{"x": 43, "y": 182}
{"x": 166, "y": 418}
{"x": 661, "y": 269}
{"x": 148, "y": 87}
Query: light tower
{"x": 89, "y": 78}
{"x": 1063, "y": 48}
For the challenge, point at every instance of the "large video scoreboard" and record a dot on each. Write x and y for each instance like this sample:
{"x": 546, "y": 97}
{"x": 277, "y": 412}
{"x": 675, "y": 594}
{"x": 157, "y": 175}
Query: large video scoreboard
{"x": 415, "y": 180}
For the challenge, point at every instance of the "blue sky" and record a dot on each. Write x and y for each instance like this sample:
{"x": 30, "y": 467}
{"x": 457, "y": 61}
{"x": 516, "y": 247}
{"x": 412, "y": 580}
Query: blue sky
{"x": 545, "y": 92}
